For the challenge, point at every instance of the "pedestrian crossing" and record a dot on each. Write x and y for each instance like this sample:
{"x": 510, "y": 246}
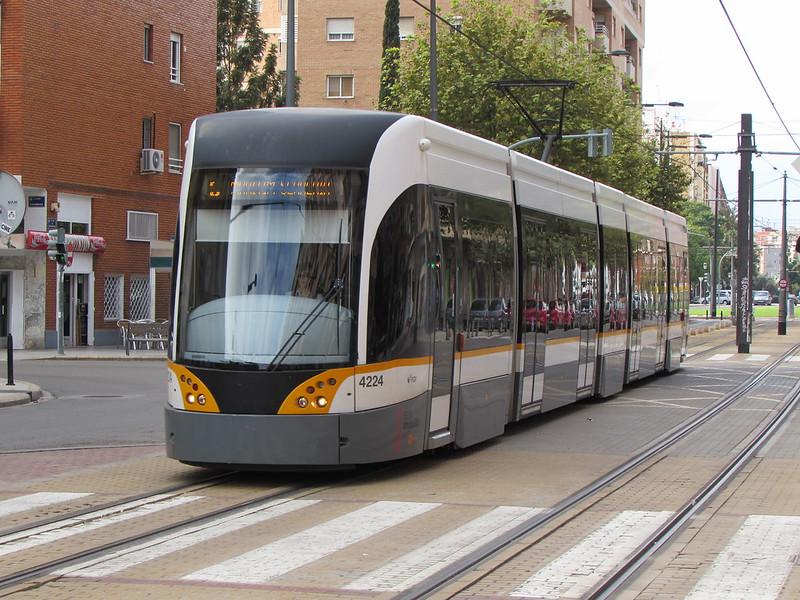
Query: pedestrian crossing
{"x": 755, "y": 358}
{"x": 759, "y": 555}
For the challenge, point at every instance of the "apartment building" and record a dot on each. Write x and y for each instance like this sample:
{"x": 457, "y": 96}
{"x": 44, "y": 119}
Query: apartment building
{"x": 339, "y": 42}
{"x": 96, "y": 100}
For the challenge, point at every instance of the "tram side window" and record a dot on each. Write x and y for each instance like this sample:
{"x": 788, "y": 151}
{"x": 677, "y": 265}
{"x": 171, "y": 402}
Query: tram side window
{"x": 487, "y": 269}
{"x": 615, "y": 265}
{"x": 586, "y": 270}
{"x": 535, "y": 261}
{"x": 397, "y": 282}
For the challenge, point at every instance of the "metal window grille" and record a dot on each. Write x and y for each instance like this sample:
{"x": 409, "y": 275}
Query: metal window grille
{"x": 112, "y": 297}
{"x": 142, "y": 226}
{"x": 140, "y": 298}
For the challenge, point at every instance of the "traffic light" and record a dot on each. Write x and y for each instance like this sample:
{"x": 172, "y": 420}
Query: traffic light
{"x": 57, "y": 246}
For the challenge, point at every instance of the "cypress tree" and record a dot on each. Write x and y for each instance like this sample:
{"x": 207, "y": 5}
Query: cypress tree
{"x": 391, "y": 51}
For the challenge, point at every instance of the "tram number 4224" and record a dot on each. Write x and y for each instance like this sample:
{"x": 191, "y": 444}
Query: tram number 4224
{"x": 371, "y": 381}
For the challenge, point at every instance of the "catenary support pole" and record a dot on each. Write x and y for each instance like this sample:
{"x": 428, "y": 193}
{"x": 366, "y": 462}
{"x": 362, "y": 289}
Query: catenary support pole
{"x": 782, "y": 295}
{"x": 434, "y": 85}
{"x": 743, "y": 294}
{"x": 291, "y": 77}
{"x": 712, "y": 297}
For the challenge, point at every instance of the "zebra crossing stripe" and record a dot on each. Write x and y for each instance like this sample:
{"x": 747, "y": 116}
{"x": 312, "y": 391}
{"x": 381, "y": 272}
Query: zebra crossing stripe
{"x": 758, "y": 357}
{"x": 418, "y": 564}
{"x": 45, "y": 534}
{"x": 574, "y": 573}
{"x": 174, "y": 542}
{"x": 37, "y": 500}
{"x": 284, "y": 555}
{"x": 718, "y": 357}
{"x": 755, "y": 563}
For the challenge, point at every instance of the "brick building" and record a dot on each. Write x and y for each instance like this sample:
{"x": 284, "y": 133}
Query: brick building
{"x": 339, "y": 42}
{"x": 85, "y": 87}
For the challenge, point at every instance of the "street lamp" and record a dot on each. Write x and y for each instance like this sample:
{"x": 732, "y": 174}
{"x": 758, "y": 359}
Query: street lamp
{"x": 618, "y": 53}
{"x": 673, "y": 104}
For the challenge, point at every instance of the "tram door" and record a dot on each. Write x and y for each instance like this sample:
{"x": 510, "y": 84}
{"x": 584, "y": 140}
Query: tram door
{"x": 446, "y": 330}
{"x": 534, "y": 327}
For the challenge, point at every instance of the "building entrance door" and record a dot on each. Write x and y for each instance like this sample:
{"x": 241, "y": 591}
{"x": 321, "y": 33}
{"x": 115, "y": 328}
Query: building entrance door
{"x": 76, "y": 309}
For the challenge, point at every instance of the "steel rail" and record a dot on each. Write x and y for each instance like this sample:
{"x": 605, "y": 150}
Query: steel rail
{"x": 176, "y": 489}
{"x": 624, "y": 572}
{"x": 450, "y": 574}
{"x": 297, "y": 491}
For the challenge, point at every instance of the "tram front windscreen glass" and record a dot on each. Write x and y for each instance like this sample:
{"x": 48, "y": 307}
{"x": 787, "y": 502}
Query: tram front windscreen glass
{"x": 266, "y": 271}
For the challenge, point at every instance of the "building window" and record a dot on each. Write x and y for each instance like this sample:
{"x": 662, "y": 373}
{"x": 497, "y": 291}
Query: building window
{"x": 175, "y": 45}
{"x": 75, "y": 228}
{"x": 140, "y": 298}
{"x": 175, "y": 160}
{"x": 147, "y": 133}
{"x": 148, "y": 42}
{"x": 341, "y": 30}
{"x": 406, "y": 27}
{"x": 142, "y": 226}
{"x": 112, "y": 297}
{"x": 340, "y": 86}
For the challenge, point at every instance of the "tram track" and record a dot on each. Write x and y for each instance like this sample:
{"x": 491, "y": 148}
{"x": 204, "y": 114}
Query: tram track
{"x": 292, "y": 492}
{"x": 539, "y": 526}
{"x": 445, "y": 583}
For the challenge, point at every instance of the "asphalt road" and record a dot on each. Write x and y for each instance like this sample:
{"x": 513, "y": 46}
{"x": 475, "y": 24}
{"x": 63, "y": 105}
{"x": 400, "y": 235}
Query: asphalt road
{"x": 94, "y": 403}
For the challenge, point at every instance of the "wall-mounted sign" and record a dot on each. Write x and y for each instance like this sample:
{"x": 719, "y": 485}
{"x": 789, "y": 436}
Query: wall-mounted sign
{"x": 12, "y": 203}
{"x": 52, "y": 223}
{"x": 35, "y": 201}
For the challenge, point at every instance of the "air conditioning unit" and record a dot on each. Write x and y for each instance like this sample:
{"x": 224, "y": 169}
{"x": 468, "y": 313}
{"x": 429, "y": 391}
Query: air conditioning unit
{"x": 152, "y": 161}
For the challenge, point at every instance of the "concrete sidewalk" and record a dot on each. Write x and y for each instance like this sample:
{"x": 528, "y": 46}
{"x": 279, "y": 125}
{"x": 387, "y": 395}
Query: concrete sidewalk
{"x": 21, "y": 392}
{"x": 85, "y": 353}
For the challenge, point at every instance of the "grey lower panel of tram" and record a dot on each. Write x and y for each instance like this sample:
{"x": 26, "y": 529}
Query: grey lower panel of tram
{"x": 382, "y": 434}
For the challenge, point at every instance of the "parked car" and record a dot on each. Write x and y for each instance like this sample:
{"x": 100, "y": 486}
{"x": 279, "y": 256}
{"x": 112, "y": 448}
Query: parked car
{"x": 724, "y": 297}
{"x": 762, "y": 298}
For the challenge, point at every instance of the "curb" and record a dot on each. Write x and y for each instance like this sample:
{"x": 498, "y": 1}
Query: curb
{"x": 16, "y": 398}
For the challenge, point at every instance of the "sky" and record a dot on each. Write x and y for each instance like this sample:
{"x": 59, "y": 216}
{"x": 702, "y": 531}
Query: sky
{"x": 691, "y": 55}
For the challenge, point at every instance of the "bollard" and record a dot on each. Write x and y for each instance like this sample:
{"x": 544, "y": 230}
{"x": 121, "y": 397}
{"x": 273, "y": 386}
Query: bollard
{"x": 10, "y": 359}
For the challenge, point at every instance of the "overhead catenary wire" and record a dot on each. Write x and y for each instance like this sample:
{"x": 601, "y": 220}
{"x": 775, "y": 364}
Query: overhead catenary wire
{"x": 755, "y": 71}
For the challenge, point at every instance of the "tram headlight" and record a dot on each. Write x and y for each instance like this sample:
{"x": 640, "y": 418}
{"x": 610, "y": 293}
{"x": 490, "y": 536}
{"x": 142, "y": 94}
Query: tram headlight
{"x": 302, "y": 402}
{"x": 322, "y": 402}
{"x": 190, "y": 398}
{"x": 201, "y": 400}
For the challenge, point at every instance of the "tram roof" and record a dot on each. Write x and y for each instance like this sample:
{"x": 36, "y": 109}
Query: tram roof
{"x": 324, "y": 137}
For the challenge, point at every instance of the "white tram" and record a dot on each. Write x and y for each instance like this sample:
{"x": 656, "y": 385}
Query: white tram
{"x": 356, "y": 287}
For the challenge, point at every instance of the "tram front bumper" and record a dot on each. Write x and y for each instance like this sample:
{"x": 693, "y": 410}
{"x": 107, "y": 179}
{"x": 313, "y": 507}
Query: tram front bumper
{"x": 257, "y": 440}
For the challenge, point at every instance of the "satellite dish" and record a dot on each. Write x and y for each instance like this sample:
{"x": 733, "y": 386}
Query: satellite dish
{"x": 12, "y": 203}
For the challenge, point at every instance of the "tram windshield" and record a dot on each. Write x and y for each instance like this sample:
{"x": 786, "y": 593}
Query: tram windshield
{"x": 266, "y": 280}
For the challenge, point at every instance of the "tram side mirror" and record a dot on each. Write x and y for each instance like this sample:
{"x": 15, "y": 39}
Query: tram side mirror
{"x": 797, "y": 245}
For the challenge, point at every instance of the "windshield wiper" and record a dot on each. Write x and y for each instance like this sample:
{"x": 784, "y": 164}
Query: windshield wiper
{"x": 306, "y": 323}
{"x": 336, "y": 288}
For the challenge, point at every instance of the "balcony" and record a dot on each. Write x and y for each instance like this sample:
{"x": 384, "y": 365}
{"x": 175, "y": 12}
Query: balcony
{"x": 601, "y": 38}
{"x": 561, "y": 6}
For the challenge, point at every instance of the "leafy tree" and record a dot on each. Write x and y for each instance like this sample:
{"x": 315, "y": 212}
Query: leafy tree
{"x": 391, "y": 51}
{"x": 537, "y": 45}
{"x": 247, "y": 74}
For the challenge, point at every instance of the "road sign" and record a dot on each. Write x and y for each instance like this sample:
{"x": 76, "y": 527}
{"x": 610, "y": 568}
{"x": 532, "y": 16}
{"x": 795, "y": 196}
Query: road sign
{"x": 783, "y": 284}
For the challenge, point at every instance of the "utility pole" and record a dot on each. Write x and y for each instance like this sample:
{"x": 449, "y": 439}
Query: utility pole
{"x": 290, "y": 43}
{"x": 714, "y": 274}
{"x": 743, "y": 296}
{"x": 782, "y": 308}
{"x": 433, "y": 64}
